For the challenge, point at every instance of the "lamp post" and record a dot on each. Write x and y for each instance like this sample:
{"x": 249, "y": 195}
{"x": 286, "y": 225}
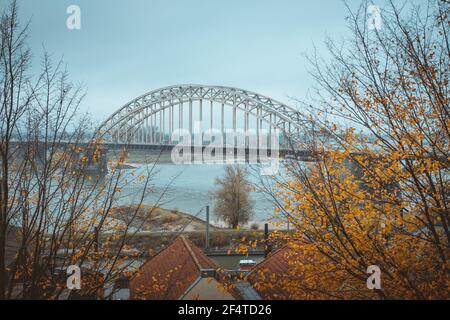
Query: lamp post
{"x": 207, "y": 229}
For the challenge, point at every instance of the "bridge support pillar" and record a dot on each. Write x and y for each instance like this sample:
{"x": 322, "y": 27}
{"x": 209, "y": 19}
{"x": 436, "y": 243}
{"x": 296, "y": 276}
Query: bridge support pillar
{"x": 269, "y": 138}
{"x": 222, "y": 122}
{"x": 190, "y": 118}
{"x": 154, "y": 129}
{"x": 201, "y": 122}
{"x": 211, "y": 116}
{"x": 257, "y": 128}
{"x": 234, "y": 127}
{"x": 160, "y": 126}
{"x": 146, "y": 127}
{"x": 246, "y": 125}
{"x": 180, "y": 116}
{"x": 170, "y": 122}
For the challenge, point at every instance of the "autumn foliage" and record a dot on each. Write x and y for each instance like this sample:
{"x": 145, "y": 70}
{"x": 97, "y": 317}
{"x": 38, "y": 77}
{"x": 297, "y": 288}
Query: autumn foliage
{"x": 378, "y": 193}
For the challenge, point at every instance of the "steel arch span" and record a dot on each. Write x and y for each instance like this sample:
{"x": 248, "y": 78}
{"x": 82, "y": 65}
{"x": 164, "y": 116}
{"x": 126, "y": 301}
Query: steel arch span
{"x": 138, "y": 112}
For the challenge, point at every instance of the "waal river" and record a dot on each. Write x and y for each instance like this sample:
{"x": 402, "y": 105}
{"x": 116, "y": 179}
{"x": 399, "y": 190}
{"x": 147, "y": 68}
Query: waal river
{"x": 187, "y": 188}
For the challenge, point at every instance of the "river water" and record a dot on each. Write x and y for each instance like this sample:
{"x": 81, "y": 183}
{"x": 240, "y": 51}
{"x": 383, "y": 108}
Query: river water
{"x": 188, "y": 188}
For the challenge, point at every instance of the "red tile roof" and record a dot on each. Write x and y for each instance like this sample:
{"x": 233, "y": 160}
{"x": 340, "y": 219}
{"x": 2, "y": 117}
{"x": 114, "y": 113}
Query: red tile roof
{"x": 171, "y": 272}
{"x": 270, "y": 272}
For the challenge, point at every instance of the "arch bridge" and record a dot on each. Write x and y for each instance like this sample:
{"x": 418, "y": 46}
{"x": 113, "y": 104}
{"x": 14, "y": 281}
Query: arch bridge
{"x": 152, "y": 118}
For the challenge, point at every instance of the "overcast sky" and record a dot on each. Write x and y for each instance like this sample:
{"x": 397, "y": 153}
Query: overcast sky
{"x": 127, "y": 48}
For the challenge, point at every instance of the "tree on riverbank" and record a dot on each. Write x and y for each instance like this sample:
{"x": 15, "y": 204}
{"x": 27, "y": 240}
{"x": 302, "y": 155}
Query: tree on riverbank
{"x": 379, "y": 191}
{"x": 232, "y": 198}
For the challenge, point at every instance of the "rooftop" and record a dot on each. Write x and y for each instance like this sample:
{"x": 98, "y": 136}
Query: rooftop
{"x": 274, "y": 267}
{"x": 174, "y": 271}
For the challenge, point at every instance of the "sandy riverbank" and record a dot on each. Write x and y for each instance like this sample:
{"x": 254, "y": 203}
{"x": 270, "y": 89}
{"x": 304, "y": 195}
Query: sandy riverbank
{"x": 153, "y": 219}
